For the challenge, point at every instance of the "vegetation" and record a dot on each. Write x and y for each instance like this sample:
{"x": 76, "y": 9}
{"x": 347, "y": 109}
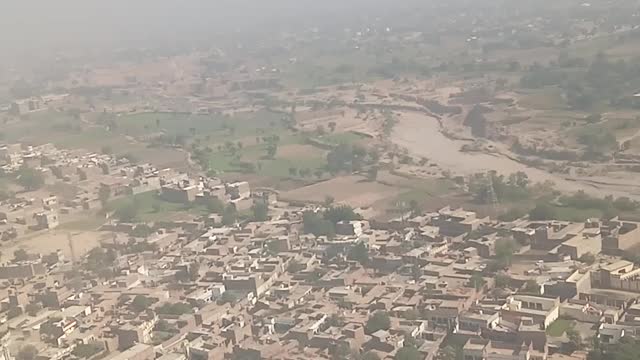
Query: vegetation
{"x": 408, "y": 353}
{"x": 378, "y": 321}
{"x": 360, "y": 253}
{"x": 30, "y": 179}
{"x": 141, "y": 303}
{"x": 260, "y": 211}
{"x": 27, "y": 352}
{"x": 174, "y": 309}
{"x": 324, "y": 224}
{"x": 85, "y": 351}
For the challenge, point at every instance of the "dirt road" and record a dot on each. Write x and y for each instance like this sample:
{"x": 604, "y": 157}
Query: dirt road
{"x": 422, "y": 136}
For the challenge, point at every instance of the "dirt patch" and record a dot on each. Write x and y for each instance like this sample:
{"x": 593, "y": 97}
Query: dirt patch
{"x": 51, "y": 241}
{"x": 352, "y": 190}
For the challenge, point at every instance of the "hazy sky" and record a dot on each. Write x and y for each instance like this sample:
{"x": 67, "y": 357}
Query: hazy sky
{"x": 27, "y": 24}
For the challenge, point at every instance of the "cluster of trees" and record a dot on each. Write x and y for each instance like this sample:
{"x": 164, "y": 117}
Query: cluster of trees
{"x": 513, "y": 188}
{"x": 627, "y": 349}
{"x": 100, "y": 262}
{"x": 587, "y": 83}
{"x": 141, "y": 303}
{"x": 379, "y": 320}
{"x": 30, "y": 179}
{"x": 85, "y": 351}
{"x": 608, "y": 206}
{"x": 324, "y": 223}
{"x": 350, "y": 158}
{"x": 178, "y": 309}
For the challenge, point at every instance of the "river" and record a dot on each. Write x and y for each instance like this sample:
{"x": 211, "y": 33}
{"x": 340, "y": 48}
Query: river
{"x": 421, "y": 135}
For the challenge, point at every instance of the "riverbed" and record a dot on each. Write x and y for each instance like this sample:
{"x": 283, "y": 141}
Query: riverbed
{"x": 421, "y": 135}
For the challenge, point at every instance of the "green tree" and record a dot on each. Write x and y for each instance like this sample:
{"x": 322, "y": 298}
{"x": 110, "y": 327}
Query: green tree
{"x": 543, "y": 211}
{"x": 341, "y": 213}
{"x": 141, "y": 303}
{"x": 532, "y": 286}
{"x": 128, "y": 212}
{"x": 448, "y": 353}
{"x": 588, "y": 258}
{"x": 27, "y": 352}
{"x": 142, "y": 230}
{"x": 314, "y": 224}
{"x": 372, "y": 174}
{"x": 370, "y": 355}
{"x": 575, "y": 339}
{"x": 103, "y": 195}
{"x": 260, "y": 211}
{"x": 360, "y": 253}
{"x": 408, "y": 353}
{"x": 504, "y": 250}
{"x": 174, "y": 309}
{"x": 32, "y": 309}
{"x": 380, "y": 320}
{"x": 214, "y": 205}
{"x": 477, "y": 281}
{"x": 228, "y": 298}
{"x": 21, "y": 255}
{"x": 30, "y": 179}
{"x": 85, "y": 351}
{"x": 230, "y": 215}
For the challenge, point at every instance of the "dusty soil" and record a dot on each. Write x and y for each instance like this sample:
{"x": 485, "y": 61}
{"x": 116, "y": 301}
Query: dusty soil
{"x": 353, "y": 190}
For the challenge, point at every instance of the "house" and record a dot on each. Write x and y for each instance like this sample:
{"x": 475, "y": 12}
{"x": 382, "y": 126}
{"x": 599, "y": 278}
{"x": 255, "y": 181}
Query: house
{"x": 47, "y": 220}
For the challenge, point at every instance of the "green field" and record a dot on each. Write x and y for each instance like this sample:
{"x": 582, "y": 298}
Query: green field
{"x": 558, "y": 327}
{"x": 150, "y": 207}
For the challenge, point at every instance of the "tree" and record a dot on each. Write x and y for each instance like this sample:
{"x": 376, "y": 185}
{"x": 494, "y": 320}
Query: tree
{"x": 332, "y": 126}
{"x": 194, "y": 271}
{"x": 27, "y": 352}
{"x": 32, "y": 309}
{"x": 140, "y": 303}
{"x": 378, "y": 321}
{"x": 532, "y": 286}
{"x": 21, "y": 255}
{"x": 30, "y": 179}
{"x": 127, "y": 212}
{"x": 142, "y": 230}
{"x": 408, "y": 353}
{"x": 230, "y": 215}
{"x": 502, "y": 280}
{"x": 588, "y": 258}
{"x": 504, "y": 250}
{"x": 372, "y": 174}
{"x": 360, "y": 253}
{"x": 260, "y": 211}
{"x": 228, "y": 298}
{"x": 103, "y": 195}
{"x": 477, "y": 281}
{"x": 341, "y": 213}
{"x": 174, "y": 309}
{"x": 328, "y": 200}
{"x": 107, "y": 150}
{"x": 214, "y": 205}
{"x": 575, "y": 339}
{"x": 543, "y": 211}
{"x": 314, "y": 224}
{"x": 448, "y": 353}
{"x": 85, "y": 351}
{"x": 272, "y": 150}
